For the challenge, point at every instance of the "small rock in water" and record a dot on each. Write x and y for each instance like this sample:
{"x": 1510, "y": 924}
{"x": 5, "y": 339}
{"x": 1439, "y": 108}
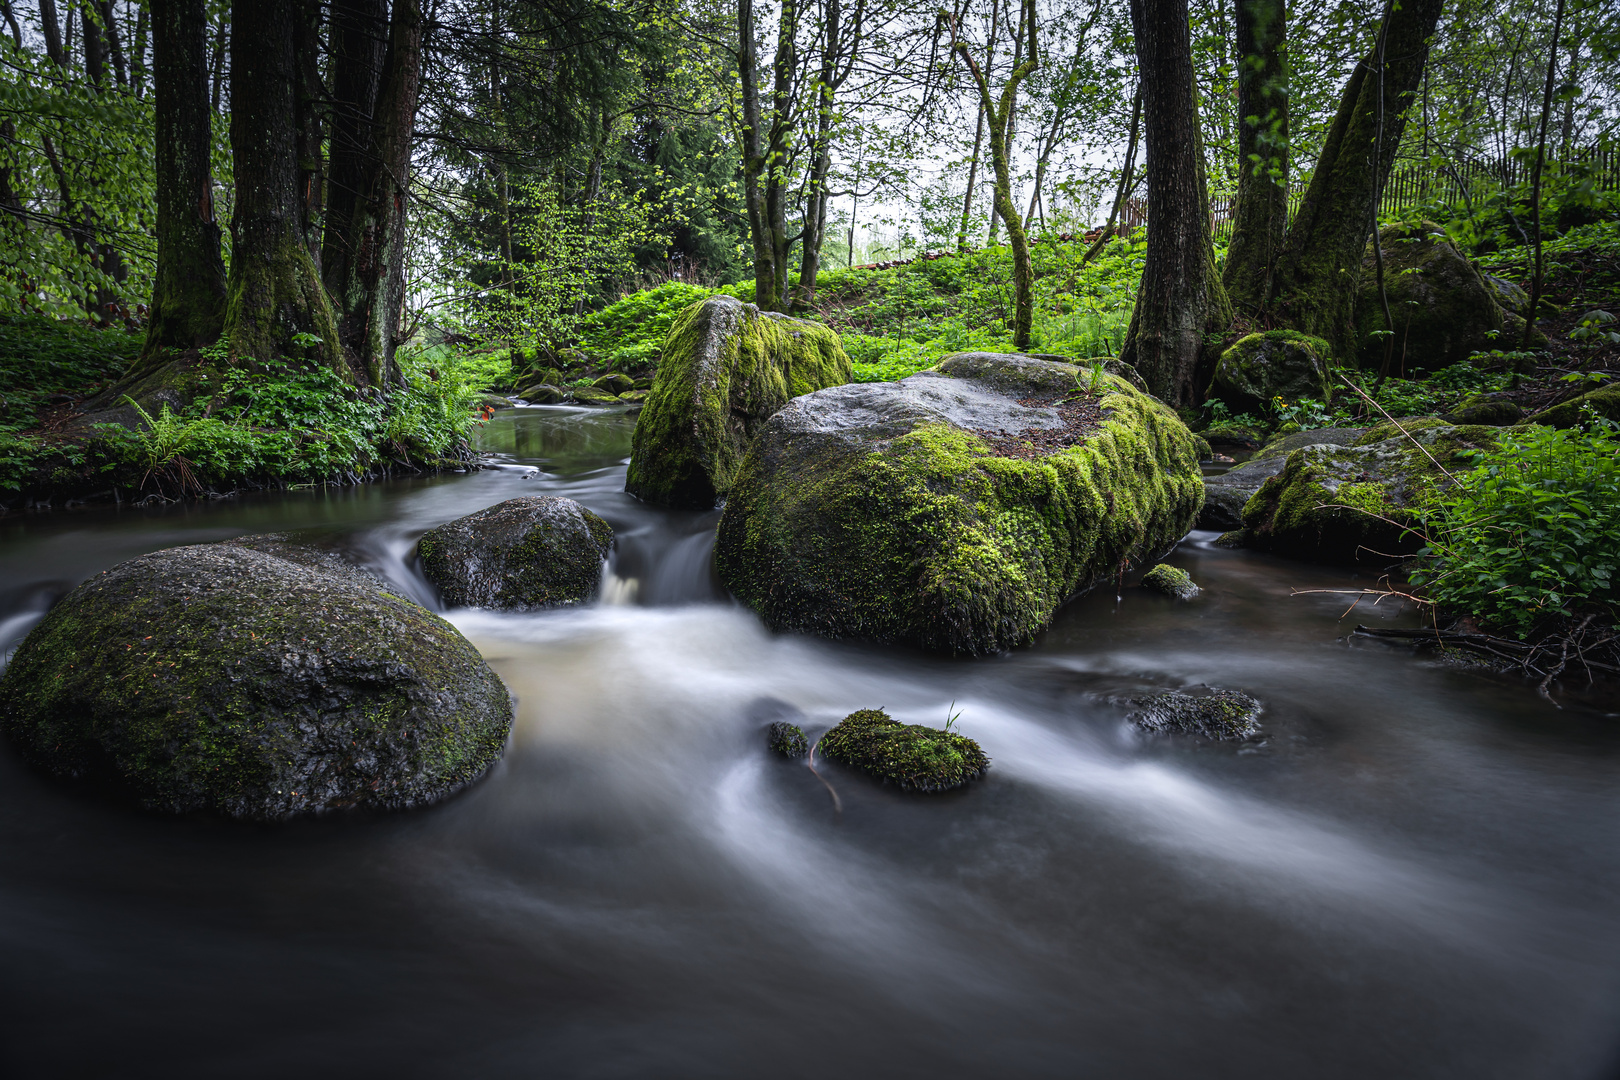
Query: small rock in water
{"x": 533, "y": 552}
{"x": 1222, "y": 714}
{"x": 1170, "y": 581}
{"x": 914, "y": 757}
{"x": 788, "y": 740}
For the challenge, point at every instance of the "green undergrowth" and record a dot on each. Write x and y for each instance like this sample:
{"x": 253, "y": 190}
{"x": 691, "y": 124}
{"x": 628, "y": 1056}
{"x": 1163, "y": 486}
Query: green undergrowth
{"x": 911, "y": 756}
{"x": 1531, "y": 531}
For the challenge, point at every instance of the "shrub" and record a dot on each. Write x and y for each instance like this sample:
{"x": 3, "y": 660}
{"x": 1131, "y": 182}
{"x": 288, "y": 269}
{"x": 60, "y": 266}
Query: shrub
{"x": 1532, "y": 531}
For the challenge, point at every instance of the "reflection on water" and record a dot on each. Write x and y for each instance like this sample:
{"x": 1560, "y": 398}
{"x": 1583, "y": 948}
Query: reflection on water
{"x": 1410, "y": 873}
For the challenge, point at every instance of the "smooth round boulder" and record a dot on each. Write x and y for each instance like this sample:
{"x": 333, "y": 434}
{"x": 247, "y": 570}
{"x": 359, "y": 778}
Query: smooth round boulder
{"x": 956, "y": 509}
{"x": 542, "y": 551}
{"x": 220, "y": 678}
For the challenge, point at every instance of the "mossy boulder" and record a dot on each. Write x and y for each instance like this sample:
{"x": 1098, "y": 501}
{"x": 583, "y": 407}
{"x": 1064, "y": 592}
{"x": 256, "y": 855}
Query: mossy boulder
{"x": 1350, "y": 504}
{"x": 727, "y": 367}
{"x": 1228, "y": 436}
{"x": 1277, "y": 363}
{"x": 1171, "y": 581}
{"x": 614, "y": 383}
{"x": 956, "y": 509}
{"x": 1219, "y": 714}
{"x": 543, "y": 394}
{"x": 1227, "y": 493}
{"x": 1442, "y": 306}
{"x": 593, "y": 395}
{"x": 1605, "y": 401}
{"x": 634, "y": 397}
{"x": 1491, "y": 409}
{"x": 227, "y": 679}
{"x": 910, "y": 756}
{"x": 540, "y": 551}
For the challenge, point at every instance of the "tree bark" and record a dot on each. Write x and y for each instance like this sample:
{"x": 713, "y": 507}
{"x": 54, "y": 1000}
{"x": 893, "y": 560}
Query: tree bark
{"x": 765, "y": 151}
{"x": 1314, "y": 286}
{"x": 372, "y": 293}
{"x": 1261, "y": 214}
{"x": 311, "y": 145}
{"x": 1535, "y": 183}
{"x": 274, "y": 289}
{"x": 359, "y": 42}
{"x": 1181, "y": 297}
{"x": 188, "y": 294}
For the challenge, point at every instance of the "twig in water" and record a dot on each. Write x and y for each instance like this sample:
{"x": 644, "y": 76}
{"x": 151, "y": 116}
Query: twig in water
{"x": 810, "y": 763}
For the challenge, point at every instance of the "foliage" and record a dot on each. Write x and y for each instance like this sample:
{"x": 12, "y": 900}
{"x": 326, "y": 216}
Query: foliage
{"x": 629, "y": 333}
{"x": 1532, "y": 531}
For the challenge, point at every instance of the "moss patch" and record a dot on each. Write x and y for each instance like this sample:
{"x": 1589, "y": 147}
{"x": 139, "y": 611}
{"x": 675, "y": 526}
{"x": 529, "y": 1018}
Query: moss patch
{"x": 1171, "y": 581}
{"x": 911, "y": 756}
{"x": 1276, "y": 363}
{"x": 787, "y": 739}
{"x": 1605, "y": 401}
{"x": 727, "y": 366}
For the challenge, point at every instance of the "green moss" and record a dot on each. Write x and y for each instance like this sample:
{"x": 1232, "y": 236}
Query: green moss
{"x": 935, "y": 540}
{"x": 1172, "y": 581}
{"x": 913, "y": 757}
{"x": 788, "y": 740}
{"x": 1276, "y": 363}
{"x": 726, "y": 368}
{"x": 522, "y": 554}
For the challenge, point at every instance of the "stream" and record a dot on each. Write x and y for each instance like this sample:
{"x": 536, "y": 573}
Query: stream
{"x": 1413, "y": 872}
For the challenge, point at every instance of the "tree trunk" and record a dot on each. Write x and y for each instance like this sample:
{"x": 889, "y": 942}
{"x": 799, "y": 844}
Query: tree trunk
{"x": 1181, "y": 297}
{"x": 188, "y": 295}
{"x": 372, "y": 294}
{"x": 359, "y": 42}
{"x": 311, "y": 147}
{"x": 754, "y": 161}
{"x": 274, "y": 289}
{"x": 1261, "y": 214}
{"x": 815, "y": 209}
{"x": 1535, "y": 183}
{"x": 1314, "y": 285}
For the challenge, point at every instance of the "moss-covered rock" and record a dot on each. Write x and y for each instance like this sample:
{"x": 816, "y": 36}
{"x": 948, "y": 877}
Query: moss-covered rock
{"x": 953, "y": 510}
{"x": 1442, "y": 306}
{"x": 592, "y": 395}
{"x": 614, "y": 382}
{"x": 539, "y": 551}
{"x": 543, "y": 394}
{"x": 1220, "y": 714}
{"x": 1487, "y": 409}
{"x": 1228, "y": 436}
{"x": 1227, "y": 493}
{"x": 634, "y": 397}
{"x": 1352, "y": 503}
{"x": 911, "y": 756}
{"x": 787, "y": 739}
{"x": 1171, "y": 581}
{"x": 727, "y": 366}
{"x": 222, "y": 678}
{"x": 1605, "y": 401}
{"x": 1277, "y": 363}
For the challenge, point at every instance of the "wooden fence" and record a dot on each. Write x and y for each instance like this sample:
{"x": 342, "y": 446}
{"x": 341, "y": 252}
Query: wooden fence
{"x": 1417, "y": 185}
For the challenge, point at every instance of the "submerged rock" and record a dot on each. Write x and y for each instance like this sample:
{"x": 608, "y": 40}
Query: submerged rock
{"x": 1171, "y": 581}
{"x": 1277, "y": 363}
{"x": 1443, "y": 308}
{"x": 913, "y": 757}
{"x": 956, "y": 509}
{"x": 222, "y": 678}
{"x": 1350, "y": 503}
{"x": 1221, "y": 714}
{"x": 787, "y": 739}
{"x": 535, "y": 552}
{"x": 1226, "y": 494}
{"x": 727, "y": 366}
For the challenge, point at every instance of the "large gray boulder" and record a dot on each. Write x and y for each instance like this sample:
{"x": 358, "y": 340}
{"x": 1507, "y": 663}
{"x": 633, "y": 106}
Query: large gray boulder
{"x": 1227, "y": 493}
{"x": 539, "y": 551}
{"x": 727, "y": 366}
{"x": 227, "y": 679}
{"x": 956, "y": 509}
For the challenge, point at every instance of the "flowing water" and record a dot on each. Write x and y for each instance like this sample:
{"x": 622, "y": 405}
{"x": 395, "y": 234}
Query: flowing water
{"x": 1412, "y": 873}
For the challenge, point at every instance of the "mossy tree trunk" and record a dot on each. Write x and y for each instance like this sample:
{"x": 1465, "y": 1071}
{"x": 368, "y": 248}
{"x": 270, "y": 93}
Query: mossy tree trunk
{"x": 359, "y": 43}
{"x": 1314, "y": 286}
{"x": 274, "y": 290}
{"x": 999, "y": 112}
{"x": 370, "y": 292}
{"x": 1261, "y": 213}
{"x": 188, "y": 294}
{"x": 765, "y": 150}
{"x": 1181, "y": 297}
